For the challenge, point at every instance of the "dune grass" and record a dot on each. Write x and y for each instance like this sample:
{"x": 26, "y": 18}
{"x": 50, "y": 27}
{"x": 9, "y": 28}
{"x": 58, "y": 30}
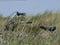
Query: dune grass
{"x": 31, "y": 34}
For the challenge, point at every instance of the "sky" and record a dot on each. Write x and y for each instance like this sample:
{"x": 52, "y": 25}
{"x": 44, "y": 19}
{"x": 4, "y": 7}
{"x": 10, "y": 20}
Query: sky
{"x": 29, "y": 6}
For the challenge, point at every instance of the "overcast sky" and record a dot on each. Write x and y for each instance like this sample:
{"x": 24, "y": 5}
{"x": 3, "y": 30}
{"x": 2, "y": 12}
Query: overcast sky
{"x": 28, "y": 6}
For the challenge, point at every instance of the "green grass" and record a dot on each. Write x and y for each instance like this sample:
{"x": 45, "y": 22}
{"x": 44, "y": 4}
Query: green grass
{"x": 31, "y": 34}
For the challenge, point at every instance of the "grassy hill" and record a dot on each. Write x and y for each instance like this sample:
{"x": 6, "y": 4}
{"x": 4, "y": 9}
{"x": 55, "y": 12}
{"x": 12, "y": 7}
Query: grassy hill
{"x": 31, "y": 34}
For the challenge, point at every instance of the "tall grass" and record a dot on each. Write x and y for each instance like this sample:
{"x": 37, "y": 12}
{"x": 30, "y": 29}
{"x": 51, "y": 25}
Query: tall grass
{"x": 31, "y": 34}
